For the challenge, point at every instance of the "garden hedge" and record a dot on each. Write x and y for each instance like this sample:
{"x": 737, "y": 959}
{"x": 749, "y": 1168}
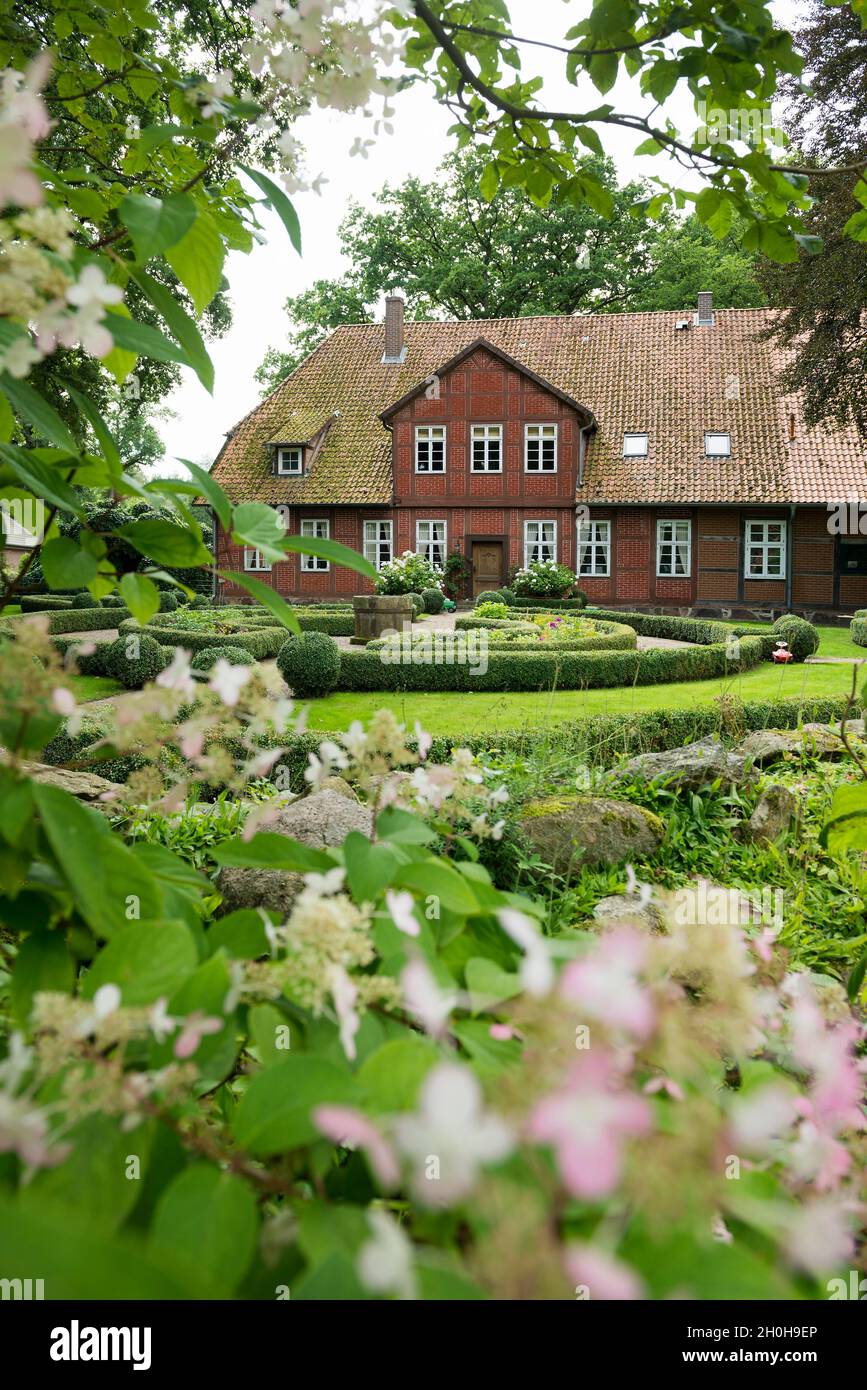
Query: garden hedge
{"x": 595, "y": 741}
{"x": 536, "y": 601}
{"x": 858, "y": 628}
{"x": 335, "y": 623}
{"x": 72, "y": 619}
{"x": 801, "y": 637}
{"x": 44, "y": 603}
{"x": 209, "y": 656}
{"x": 261, "y": 642}
{"x": 310, "y": 664}
{"x": 550, "y": 670}
{"x": 611, "y": 637}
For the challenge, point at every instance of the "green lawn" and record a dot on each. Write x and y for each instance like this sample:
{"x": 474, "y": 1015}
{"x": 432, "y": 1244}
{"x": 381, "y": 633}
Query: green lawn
{"x": 86, "y": 688}
{"x": 487, "y": 713}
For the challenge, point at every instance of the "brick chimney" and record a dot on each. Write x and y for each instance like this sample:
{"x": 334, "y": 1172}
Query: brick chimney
{"x": 705, "y": 307}
{"x": 395, "y": 347}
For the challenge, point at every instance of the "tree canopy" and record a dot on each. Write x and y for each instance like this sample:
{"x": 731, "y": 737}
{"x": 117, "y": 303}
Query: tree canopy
{"x": 456, "y": 254}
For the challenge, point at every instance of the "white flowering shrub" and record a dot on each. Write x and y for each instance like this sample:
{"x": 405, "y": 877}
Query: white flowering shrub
{"x": 409, "y": 573}
{"x": 544, "y": 578}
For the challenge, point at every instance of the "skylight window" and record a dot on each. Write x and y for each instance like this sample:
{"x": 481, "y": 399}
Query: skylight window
{"x": 635, "y": 446}
{"x": 717, "y": 446}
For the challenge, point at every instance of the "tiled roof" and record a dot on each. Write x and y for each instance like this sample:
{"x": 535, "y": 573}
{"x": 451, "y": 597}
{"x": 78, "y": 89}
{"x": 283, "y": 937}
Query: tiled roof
{"x": 635, "y": 372}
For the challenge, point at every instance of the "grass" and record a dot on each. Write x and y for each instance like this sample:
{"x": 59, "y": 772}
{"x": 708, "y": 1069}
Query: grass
{"x": 86, "y": 688}
{"x": 462, "y": 713}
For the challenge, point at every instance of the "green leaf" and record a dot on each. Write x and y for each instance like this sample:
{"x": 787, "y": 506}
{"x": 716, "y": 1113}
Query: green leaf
{"x": 43, "y": 963}
{"x": 434, "y": 878}
{"x": 330, "y": 550}
{"x": 93, "y": 1179}
{"x": 184, "y": 329}
{"x": 144, "y": 340}
{"x": 846, "y": 827}
{"x": 197, "y": 260}
{"x": 265, "y": 1022}
{"x": 258, "y": 525}
{"x": 141, "y": 596}
{"x": 74, "y": 1260}
{"x": 403, "y": 828}
{"x": 30, "y": 406}
{"x": 277, "y": 199}
{"x": 42, "y": 478}
{"x": 856, "y": 977}
{"x": 268, "y": 850}
{"x": 274, "y": 1114}
{"x": 146, "y": 960}
{"x": 156, "y": 224}
{"x": 213, "y": 494}
{"x": 103, "y": 434}
{"x": 370, "y": 868}
{"x": 66, "y": 565}
{"x": 240, "y": 934}
{"x": 108, "y": 886}
{"x": 268, "y": 597}
{"x": 205, "y": 1227}
{"x": 488, "y": 983}
{"x": 165, "y": 542}
{"x": 391, "y": 1077}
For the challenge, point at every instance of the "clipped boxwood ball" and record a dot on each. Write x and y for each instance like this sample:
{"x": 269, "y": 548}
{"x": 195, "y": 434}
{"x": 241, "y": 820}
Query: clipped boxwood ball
{"x": 417, "y": 603}
{"x": 800, "y": 636}
{"x": 168, "y": 601}
{"x": 489, "y": 596}
{"x": 309, "y": 664}
{"x": 508, "y": 595}
{"x": 134, "y": 659}
{"x": 432, "y": 600}
{"x": 209, "y": 656}
{"x": 84, "y": 600}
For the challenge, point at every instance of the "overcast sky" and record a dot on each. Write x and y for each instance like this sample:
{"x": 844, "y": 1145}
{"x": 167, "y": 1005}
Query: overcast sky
{"x": 260, "y": 283}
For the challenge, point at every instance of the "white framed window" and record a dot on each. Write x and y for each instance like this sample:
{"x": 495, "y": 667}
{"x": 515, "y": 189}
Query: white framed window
{"x": 540, "y": 448}
{"x": 635, "y": 446}
{"x": 320, "y": 530}
{"x": 378, "y": 543}
{"x": 540, "y": 541}
{"x": 594, "y": 548}
{"x": 487, "y": 448}
{"x": 673, "y": 549}
{"x": 717, "y": 445}
{"x": 290, "y": 459}
{"x": 255, "y": 560}
{"x": 765, "y": 550}
{"x": 430, "y": 541}
{"x": 430, "y": 448}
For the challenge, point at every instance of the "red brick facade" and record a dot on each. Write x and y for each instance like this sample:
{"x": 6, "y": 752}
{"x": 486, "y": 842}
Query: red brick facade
{"x": 485, "y": 513}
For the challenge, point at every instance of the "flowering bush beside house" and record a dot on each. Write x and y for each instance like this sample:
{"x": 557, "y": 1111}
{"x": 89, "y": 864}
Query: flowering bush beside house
{"x": 409, "y": 573}
{"x": 543, "y": 579}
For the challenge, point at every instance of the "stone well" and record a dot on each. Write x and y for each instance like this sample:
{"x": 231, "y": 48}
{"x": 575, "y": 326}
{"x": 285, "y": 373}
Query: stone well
{"x": 379, "y": 613}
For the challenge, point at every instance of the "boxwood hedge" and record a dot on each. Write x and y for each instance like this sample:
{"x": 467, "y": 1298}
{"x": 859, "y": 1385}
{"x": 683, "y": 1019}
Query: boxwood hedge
{"x": 595, "y": 741}
{"x": 858, "y": 628}
{"x": 550, "y": 670}
{"x": 610, "y": 637}
{"x": 261, "y": 642}
{"x": 72, "y": 619}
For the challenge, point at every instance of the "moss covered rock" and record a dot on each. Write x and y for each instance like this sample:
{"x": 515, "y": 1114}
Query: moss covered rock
{"x": 572, "y": 833}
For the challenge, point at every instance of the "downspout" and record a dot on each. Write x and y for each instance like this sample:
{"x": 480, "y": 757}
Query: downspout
{"x": 790, "y": 551}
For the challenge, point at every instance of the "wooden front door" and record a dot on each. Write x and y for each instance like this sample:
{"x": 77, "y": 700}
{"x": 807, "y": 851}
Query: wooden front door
{"x": 487, "y": 565}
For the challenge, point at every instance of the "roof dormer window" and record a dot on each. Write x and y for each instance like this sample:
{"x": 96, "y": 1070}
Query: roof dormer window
{"x": 717, "y": 445}
{"x": 289, "y": 460}
{"x": 635, "y": 446}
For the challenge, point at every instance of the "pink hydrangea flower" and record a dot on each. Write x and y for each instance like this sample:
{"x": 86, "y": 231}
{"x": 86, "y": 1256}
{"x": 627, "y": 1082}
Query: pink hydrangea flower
{"x": 194, "y": 1027}
{"x": 605, "y": 983}
{"x": 586, "y": 1123}
{"x": 603, "y": 1276}
{"x": 344, "y": 1125}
